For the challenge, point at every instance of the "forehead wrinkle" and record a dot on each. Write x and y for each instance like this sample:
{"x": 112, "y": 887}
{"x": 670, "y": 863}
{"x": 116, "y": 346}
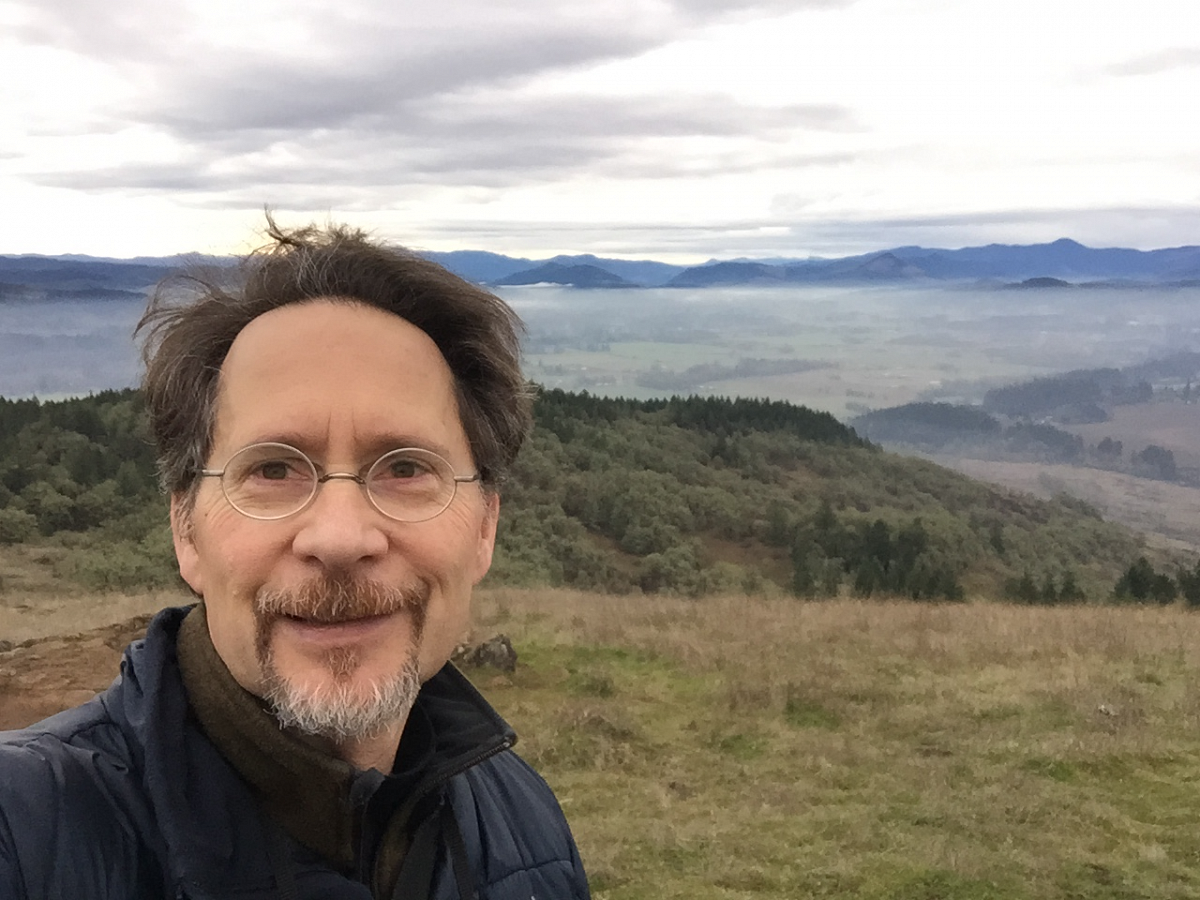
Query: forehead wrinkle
{"x": 377, "y": 435}
{"x": 352, "y": 424}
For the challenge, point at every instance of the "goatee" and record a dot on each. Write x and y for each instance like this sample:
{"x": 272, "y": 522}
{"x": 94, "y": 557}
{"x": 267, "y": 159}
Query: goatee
{"x": 334, "y": 705}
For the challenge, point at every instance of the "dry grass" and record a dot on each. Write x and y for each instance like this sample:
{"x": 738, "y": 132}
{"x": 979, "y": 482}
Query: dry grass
{"x": 69, "y": 613}
{"x": 732, "y": 747}
{"x": 773, "y": 748}
{"x": 35, "y": 603}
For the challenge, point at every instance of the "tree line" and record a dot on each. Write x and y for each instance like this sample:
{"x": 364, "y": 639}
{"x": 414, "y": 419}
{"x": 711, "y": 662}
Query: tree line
{"x": 691, "y": 495}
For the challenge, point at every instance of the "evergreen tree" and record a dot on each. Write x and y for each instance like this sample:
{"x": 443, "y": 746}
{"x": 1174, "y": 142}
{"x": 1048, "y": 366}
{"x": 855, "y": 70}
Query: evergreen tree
{"x": 1069, "y": 591}
{"x": 1188, "y": 582}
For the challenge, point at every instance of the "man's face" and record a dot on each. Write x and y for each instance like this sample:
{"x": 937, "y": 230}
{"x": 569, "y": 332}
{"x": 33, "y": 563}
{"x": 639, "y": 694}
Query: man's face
{"x": 337, "y": 602}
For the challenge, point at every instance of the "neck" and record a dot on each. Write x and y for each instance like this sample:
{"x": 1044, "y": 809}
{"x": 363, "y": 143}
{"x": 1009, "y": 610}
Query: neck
{"x": 377, "y": 751}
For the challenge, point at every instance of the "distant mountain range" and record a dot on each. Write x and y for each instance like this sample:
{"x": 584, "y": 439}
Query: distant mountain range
{"x": 1063, "y": 263}
{"x": 47, "y": 277}
{"x": 585, "y": 275}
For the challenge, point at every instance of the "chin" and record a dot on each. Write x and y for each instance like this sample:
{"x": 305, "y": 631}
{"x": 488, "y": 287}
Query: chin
{"x": 341, "y": 702}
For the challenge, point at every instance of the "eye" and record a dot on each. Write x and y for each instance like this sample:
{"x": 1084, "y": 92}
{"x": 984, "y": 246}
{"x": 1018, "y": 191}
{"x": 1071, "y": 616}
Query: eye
{"x": 404, "y": 468}
{"x": 409, "y": 473}
{"x": 271, "y": 470}
{"x": 274, "y": 470}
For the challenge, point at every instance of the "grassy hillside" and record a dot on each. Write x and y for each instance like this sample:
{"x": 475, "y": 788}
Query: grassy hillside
{"x": 729, "y": 746}
{"x": 689, "y": 496}
{"x": 703, "y": 496}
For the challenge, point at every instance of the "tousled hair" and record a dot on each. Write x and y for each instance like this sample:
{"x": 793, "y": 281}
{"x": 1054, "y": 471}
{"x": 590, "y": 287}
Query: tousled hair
{"x": 193, "y": 319}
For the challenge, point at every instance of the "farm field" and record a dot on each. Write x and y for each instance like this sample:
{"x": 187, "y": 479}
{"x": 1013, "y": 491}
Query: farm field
{"x": 729, "y": 748}
{"x": 1167, "y": 514}
{"x": 873, "y": 363}
{"x": 1175, "y": 426}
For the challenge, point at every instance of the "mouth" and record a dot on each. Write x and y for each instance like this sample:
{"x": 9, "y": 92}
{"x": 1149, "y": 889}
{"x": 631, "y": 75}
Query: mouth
{"x": 333, "y": 620}
{"x": 334, "y": 632}
{"x": 338, "y": 612}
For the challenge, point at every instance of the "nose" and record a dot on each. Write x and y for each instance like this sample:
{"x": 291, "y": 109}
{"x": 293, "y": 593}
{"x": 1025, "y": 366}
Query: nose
{"x": 340, "y": 528}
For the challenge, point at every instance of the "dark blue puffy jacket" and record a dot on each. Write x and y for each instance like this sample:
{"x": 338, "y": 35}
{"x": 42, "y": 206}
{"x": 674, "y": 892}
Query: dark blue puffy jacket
{"x": 124, "y": 797}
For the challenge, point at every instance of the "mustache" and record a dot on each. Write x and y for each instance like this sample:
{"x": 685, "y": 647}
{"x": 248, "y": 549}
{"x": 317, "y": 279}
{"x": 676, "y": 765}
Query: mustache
{"x": 340, "y": 597}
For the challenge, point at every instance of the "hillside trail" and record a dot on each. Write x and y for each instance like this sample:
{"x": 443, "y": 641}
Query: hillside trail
{"x": 42, "y": 676}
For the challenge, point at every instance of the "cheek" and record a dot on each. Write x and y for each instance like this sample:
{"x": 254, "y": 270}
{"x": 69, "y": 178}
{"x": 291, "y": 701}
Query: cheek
{"x": 473, "y": 531}
{"x": 445, "y": 626}
{"x": 235, "y": 554}
{"x": 236, "y": 559}
{"x": 449, "y": 556}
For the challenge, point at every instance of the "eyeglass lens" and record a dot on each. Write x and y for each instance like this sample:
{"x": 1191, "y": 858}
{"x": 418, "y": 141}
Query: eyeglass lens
{"x": 271, "y": 481}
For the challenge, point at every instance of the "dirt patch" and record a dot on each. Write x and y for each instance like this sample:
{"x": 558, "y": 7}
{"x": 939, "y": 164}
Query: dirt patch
{"x": 42, "y": 676}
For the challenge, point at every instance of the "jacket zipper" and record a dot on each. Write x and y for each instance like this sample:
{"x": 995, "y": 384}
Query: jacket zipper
{"x": 421, "y": 791}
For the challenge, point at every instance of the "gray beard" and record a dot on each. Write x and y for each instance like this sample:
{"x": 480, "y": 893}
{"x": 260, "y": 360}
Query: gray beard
{"x": 337, "y": 708}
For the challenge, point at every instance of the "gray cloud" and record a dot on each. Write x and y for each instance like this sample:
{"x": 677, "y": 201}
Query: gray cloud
{"x": 679, "y": 116}
{"x": 478, "y": 143}
{"x": 326, "y": 63}
{"x": 373, "y": 93}
{"x": 146, "y": 30}
{"x": 1154, "y": 63}
{"x": 138, "y": 178}
{"x": 729, "y": 163}
{"x": 362, "y": 106}
{"x": 723, "y": 9}
{"x": 131, "y": 30}
{"x": 294, "y": 95}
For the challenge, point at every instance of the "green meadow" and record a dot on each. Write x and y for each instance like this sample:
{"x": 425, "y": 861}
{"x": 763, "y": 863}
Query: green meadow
{"x": 747, "y": 748}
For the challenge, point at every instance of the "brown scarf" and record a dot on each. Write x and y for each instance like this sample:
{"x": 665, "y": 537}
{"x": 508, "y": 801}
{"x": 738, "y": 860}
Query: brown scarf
{"x": 302, "y": 788}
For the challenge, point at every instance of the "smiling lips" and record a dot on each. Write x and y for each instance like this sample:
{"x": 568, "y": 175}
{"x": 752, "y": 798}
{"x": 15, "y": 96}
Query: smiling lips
{"x": 334, "y": 633}
{"x": 337, "y": 610}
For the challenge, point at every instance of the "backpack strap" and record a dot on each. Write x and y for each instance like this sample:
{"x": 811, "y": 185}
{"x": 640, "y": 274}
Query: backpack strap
{"x": 458, "y": 854}
{"x": 416, "y": 874}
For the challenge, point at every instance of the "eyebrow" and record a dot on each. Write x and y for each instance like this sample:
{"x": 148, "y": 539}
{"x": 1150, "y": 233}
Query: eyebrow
{"x": 374, "y": 448}
{"x": 383, "y": 445}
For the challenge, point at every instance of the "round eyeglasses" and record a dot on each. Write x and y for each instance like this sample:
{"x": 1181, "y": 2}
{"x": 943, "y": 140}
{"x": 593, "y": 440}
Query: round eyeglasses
{"x": 274, "y": 481}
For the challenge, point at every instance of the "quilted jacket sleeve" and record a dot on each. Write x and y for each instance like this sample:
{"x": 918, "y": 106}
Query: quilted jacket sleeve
{"x": 11, "y": 883}
{"x": 510, "y": 818}
{"x": 61, "y": 833}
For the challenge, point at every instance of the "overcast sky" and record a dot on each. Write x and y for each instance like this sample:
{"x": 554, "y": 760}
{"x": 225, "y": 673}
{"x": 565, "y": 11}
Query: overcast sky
{"x": 678, "y": 129}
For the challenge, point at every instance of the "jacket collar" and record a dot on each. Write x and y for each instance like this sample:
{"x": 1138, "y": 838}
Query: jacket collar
{"x": 207, "y": 806}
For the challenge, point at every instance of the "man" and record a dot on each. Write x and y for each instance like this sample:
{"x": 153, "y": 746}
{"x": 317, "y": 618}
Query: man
{"x": 332, "y": 436}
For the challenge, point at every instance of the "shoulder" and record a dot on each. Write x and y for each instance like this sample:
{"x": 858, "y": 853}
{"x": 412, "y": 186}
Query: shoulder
{"x": 69, "y": 797}
{"x": 506, "y": 787}
{"x": 66, "y": 753}
{"x": 510, "y": 817}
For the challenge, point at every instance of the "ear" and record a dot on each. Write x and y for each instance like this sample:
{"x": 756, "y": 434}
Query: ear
{"x": 487, "y": 535}
{"x": 185, "y": 548}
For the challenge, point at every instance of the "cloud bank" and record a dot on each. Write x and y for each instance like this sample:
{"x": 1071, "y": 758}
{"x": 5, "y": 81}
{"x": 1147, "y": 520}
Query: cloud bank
{"x": 542, "y": 127}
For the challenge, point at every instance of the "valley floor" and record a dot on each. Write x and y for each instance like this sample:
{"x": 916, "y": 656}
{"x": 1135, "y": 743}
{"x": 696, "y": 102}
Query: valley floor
{"x": 1167, "y": 514}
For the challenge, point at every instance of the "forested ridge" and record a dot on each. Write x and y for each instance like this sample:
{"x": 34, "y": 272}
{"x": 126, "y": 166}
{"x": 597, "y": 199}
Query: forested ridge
{"x": 685, "y": 495}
